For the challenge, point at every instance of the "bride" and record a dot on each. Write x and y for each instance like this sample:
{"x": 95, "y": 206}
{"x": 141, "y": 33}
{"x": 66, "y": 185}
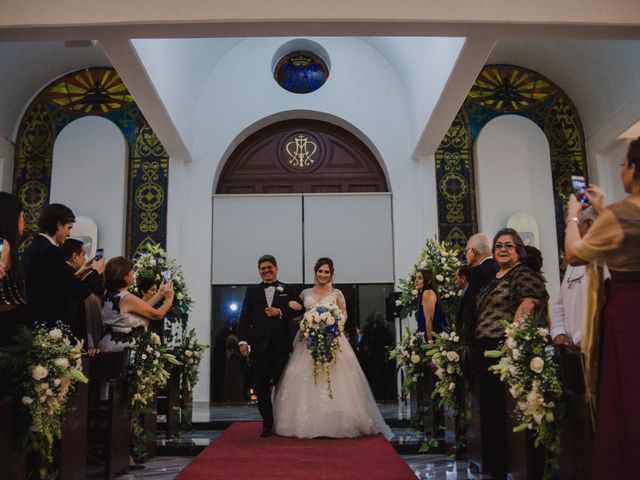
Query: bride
{"x": 302, "y": 407}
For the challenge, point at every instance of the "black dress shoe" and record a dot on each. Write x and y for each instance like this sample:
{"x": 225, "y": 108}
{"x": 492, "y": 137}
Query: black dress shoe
{"x": 266, "y": 432}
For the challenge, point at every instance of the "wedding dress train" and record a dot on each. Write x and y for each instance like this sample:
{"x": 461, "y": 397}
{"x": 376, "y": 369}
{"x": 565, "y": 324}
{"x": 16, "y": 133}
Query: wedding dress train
{"x": 303, "y": 408}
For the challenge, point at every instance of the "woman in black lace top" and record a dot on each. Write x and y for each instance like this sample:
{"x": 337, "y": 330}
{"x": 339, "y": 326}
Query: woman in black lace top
{"x": 12, "y": 298}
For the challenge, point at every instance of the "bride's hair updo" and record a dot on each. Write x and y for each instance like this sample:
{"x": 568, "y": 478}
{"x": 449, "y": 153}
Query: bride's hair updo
{"x": 323, "y": 261}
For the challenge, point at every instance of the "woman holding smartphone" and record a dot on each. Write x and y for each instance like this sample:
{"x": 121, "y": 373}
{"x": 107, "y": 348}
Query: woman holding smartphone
{"x": 12, "y": 297}
{"x": 124, "y": 315}
{"x": 614, "y": 240}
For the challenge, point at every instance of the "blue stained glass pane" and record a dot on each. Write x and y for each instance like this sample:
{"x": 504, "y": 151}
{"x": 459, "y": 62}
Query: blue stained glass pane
{"x": 301, "y": 72}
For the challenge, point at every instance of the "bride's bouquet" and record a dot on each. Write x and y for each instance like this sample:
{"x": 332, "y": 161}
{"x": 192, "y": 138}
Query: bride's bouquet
{"x": 321, "y": 327}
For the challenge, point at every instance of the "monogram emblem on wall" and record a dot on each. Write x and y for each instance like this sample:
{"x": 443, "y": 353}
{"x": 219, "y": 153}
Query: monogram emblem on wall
{"x": 301, "y": 151}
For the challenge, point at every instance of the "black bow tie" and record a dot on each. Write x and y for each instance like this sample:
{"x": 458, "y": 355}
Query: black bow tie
{"x": 267, "y": 285}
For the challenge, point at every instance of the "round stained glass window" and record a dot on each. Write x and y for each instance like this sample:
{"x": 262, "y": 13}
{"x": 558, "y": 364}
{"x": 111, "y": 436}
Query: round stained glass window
{"x": 301, "y": 72}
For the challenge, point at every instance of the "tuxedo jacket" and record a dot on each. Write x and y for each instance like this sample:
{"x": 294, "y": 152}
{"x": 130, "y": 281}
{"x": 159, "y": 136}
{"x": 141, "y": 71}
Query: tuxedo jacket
{"x": 481, "y": 276}
{"x": 262, "y": 332}
{"x": 50, "y": 284}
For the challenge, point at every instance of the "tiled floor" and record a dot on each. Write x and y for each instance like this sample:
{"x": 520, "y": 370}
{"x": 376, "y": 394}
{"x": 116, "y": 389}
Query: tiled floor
{"x": 214, "y": 419}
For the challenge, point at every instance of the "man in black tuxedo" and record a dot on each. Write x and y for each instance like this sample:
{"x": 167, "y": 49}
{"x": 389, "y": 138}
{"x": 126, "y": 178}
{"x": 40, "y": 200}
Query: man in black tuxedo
{"x": 264, "y": 333}
{"x": 49, "y": 281}
{"x": 484, "y": 269}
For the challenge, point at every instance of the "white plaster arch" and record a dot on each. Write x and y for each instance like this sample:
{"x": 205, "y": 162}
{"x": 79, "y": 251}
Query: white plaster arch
{"x": 89, "y": 175}
{"x": 298, "y": 114}
{"x": 513, "y": 174}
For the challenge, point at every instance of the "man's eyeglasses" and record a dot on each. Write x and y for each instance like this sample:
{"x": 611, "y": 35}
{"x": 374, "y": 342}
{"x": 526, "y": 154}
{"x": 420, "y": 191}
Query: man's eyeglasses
{"x": 505, "y": 246}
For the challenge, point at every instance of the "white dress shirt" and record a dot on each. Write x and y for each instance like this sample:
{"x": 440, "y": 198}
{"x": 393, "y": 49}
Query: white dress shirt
{"x": 567, "y": 312}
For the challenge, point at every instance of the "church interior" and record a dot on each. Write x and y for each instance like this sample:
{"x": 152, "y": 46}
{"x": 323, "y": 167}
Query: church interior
{"x": 187, "y": 126}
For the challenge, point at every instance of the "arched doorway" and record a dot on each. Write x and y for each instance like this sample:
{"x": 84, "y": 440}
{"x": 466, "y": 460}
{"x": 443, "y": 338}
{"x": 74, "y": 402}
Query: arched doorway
{"x": 300, "y": 190}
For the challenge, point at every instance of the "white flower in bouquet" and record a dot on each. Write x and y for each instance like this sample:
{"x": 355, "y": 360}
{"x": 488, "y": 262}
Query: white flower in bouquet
{"x": 414, "y": 292}
{"x": 180, "y": 296}
{"x": 515, "y": 353}
{"x": 511, "y": 343}
{"x": 537, "y": 364}
{"x": 439, "y": 278}
{"x": 188, "y": 353}
{"x": 39, "y": 372}
{"x": 27, "y": 400}
{"x": 453, "y": 356}
{"x": 452, "y": 387}
{"x": 398, "y": 303}
{"x": 444, "y": 336}
{"x": 56, "y": 334}
{"x": 543, "y": 332}
{"x": 415, "y": 358}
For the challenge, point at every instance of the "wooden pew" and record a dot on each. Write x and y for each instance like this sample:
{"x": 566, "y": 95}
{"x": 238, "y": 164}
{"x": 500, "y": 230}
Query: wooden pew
{"x": 73, "y": 444}
{"x": 150, "y": 425}
{"x": 8, "y": 446}
{"x": 111, "y": 367}
{"x": 524, "y": 462}
{"x": 169, "y": 402}
{"x": 576, "y": 439}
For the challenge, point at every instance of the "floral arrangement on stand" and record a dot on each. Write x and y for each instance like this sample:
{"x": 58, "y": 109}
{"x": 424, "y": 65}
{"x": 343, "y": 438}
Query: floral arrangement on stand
{"x": 189, "y": 353}
{"x": 49, "y": 367}
{"x": 411, "y": 355}
{"x": 448, "y": 358}
{"x": 529, "y": 368}
{"x": 441, "y": 258}
{"x": 321, "y": 327}
{"x": 153, "y": 264}
{"x": 146, "y": 374}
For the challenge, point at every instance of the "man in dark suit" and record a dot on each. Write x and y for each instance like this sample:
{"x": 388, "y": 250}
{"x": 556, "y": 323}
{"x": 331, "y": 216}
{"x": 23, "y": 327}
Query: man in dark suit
{"x": 264, "y": 333}
{"x": 84, "y": 317}
{"x": 49, "y": 281}
{"x": 484, "y": 269}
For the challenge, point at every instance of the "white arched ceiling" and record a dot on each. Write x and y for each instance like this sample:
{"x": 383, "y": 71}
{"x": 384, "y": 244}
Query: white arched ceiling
{"x": 513, "y": 175}
{"x": 178, "y": 68}
{"x": 27, "y": 67}
{"x": 89, "y": 175}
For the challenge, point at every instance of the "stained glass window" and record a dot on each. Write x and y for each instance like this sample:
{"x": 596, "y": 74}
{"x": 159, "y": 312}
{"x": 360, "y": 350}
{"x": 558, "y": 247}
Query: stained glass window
{"x": 100, "y": 92}
{"x": 301, "y": 72}
{"x": 501, "y": 90}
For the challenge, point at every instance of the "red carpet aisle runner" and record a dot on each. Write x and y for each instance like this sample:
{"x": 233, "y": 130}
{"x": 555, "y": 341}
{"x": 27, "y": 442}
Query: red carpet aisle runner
{"x": 239, "y": 453}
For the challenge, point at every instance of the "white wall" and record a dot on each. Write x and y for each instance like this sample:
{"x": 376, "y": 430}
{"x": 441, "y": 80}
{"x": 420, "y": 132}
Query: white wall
{"x": 513, "y": 174}
{"x": 6, "y": 164}
{"x": 89, "y": 175}
{"x": 234, "y": 101}
{"x": 607, "y": 170}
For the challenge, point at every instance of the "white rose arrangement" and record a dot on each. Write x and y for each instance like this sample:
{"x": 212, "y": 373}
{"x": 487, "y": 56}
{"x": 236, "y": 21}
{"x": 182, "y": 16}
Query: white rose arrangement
{"x": 448, "y": 357}
{"x": 529, "y": 368}
{"x": 411, "y": 355}
{"x": 152, "y": 264}
{"x": 321, "y": 327}
{"x": 440, "y": 258}
{"x": 146, "y": 373}
{"x": 50, "y": 367}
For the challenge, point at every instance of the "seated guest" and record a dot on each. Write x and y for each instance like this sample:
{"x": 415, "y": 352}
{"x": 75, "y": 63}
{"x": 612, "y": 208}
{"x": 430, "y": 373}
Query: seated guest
{"x": 515, "y": 291}
{"x": 50, "y": 282}
{"x": 125, "y": 315}
{"x": 567, "y": 311}
{"x": 83, "y": 316}
{"x": 148, "y": 288}
{"x": 12, "y": 297}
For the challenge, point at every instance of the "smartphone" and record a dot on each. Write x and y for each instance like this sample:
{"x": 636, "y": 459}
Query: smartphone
{"x": 579, "y": 187}
{"x": 99, "y": 254}
{"x": 166, "y": 276}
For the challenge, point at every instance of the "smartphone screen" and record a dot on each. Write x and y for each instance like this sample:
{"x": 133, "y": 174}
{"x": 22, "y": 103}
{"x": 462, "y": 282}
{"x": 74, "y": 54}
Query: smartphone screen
{"x": 579, "y": 187}
{"x": 166, "y": 276}
{"x": 99, "y": 254}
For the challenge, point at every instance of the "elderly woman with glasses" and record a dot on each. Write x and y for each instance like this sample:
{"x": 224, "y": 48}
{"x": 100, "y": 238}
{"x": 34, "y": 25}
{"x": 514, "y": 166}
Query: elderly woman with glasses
{"x": 515, "y": 291}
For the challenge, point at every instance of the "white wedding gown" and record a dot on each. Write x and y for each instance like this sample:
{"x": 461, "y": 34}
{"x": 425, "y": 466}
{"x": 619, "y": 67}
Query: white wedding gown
{"x": 303, "y": 408}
